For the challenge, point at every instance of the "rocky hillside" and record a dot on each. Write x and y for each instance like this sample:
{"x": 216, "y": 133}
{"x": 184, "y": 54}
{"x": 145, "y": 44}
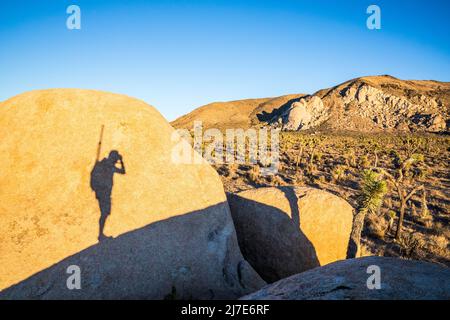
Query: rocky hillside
{"x": 236, "y": 114}
{"x": 378, "y": 103}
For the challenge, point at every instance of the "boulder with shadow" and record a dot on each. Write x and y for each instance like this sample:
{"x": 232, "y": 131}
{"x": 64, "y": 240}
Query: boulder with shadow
{"x": 100, "y": 198}
{"x": 368, "y": 278}
{"x": 287, "y": 230}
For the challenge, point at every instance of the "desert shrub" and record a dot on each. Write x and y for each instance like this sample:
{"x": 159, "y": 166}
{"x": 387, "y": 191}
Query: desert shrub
{"x": 338, "y": 173}
{"x": 425, "y": 216}
{"x": 350, "y": 158}
{"x": 391, "y": 217}
{"x": 389, "y": 203}
{"x": 311, "y": 168}
{"x": 275, "y": 180}
{"x": 232, "y": 169}
{"x": 377, "y": 225}
{"x": 409, "y": 245}
{"x": 366, "y": 251}
{"x": 318, "y": 156}
{"x": 421, "y": 172}
{"x": 438, "y": 245}
{"x": 254, "y": 174}
{"x": 396, "y": 158}
{"x": 223, "y": 170}
{"x": 413, "y": 210}
{"x": 364, "y": 162}
{"x": 299, "y": 180}
{"x": 438, "y": 228}
{"x": 415, "y": 159}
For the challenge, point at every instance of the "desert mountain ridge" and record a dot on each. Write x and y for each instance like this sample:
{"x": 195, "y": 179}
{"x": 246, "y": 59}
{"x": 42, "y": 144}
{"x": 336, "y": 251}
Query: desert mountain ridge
{"x": 366, "y": 104}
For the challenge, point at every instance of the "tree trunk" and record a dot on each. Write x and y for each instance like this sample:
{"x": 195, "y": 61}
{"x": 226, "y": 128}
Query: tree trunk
{"x": 311, "y": 159}
{"x": 424, "y": 209}
{"x": 400, "y": 220}
{"x": 299, "y": 157}
{"x": 375, "y": 164}
{"x": 391, "y": 223}
{"x": 355, "y": 237}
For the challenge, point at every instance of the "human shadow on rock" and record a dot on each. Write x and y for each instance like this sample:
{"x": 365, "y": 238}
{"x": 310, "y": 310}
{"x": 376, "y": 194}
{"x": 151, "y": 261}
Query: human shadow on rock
{"x": 102, "y": 182}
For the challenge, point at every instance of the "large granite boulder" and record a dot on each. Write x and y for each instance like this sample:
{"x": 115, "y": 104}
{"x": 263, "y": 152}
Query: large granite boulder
{"x": 356, "y": 279}
{"x": 134, "y": 221}
{"x": 286, "y": 230}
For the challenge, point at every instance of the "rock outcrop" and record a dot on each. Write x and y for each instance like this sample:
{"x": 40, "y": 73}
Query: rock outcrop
{"x": 366, "y": 104}
{"x": 286, "y": 230}
{"x": 305, "y": 114}
{"x": 369, "y": 104}
{"x": 389, "y": 111}
{"x": 347, "y": 280}
{"x": 168, "y": 231}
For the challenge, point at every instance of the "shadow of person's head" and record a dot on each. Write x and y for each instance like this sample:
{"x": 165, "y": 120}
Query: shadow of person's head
{"x": 114, "y": 156}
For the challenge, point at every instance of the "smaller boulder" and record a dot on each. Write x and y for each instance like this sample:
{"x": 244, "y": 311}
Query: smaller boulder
{"x": 286, "y": 230}
{"x": 437, "y": 124}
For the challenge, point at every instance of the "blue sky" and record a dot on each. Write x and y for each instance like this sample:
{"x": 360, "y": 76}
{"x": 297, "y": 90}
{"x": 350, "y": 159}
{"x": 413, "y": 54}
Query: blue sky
{"x": 178, "y": 55}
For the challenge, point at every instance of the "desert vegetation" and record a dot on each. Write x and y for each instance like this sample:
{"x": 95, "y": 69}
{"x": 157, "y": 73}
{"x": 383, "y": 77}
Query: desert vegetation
{"x": 397, "y": 183}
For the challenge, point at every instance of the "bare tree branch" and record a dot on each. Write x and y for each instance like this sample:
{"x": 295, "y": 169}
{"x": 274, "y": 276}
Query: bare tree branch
{"x": 413, "y": 191}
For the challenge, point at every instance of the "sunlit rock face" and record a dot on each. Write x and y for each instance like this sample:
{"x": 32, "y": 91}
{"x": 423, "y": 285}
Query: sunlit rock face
{"x": 305, "y": 114}
{"x": 362, "y": 105}
{"x": 390, "y": 112}
{"x": 286, "y": 230}
{"x": 165, "y": 231}
{"x": 368, "y": 104}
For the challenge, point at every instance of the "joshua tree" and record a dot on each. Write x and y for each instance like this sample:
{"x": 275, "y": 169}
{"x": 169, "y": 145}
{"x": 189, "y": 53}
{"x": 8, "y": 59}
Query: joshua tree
{"x": 313, "y": 145}
{"x": 373, "y": 190}
{"x": 405, "y": 189}
{"x": 376, "y": 148}
{"x": 300, "y": 153}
